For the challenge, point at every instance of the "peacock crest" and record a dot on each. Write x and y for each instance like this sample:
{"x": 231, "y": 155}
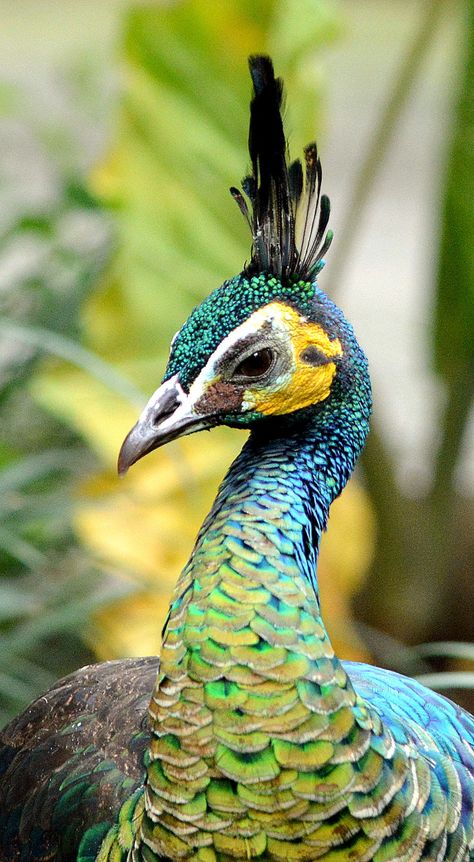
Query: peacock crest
{"x": 288, "y": 215}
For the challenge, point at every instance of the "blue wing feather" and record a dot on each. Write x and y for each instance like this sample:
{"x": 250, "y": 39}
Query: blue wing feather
{"x": 437, "y": 727}
{"x": 410, "y": 709}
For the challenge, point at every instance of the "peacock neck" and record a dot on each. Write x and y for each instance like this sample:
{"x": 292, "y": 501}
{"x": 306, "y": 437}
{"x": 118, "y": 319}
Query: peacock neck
{"x": 250, "y": 699}
{"x": 252, "y": 574}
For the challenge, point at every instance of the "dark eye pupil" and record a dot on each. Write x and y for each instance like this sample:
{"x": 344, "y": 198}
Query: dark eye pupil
{"x": 255, "y": 365}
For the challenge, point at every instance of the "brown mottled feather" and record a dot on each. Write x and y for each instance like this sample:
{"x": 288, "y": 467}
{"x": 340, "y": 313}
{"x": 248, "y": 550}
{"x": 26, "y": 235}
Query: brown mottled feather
{"x": 96, "y": 715}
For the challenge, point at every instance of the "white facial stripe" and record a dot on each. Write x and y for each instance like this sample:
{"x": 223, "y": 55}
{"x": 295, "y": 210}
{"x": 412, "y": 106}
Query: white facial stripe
{"x": 271, "y": 313}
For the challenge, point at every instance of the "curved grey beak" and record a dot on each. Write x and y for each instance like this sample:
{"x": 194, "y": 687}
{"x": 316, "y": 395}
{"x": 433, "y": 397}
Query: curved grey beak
{"x": 167, "y": 415}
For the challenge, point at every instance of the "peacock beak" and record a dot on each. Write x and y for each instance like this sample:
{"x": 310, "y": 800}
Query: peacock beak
{"x": 169, "y": 414}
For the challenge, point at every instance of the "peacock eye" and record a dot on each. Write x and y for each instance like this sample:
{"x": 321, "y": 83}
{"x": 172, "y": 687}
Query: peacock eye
{"x": 256, "y": 364}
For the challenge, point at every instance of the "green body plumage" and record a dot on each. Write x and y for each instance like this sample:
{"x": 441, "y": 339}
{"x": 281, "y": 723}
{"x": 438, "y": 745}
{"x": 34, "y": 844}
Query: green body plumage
{"x": 258, "y": 742}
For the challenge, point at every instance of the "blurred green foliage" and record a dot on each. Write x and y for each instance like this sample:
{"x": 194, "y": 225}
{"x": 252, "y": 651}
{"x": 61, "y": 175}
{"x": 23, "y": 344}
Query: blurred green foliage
{"x": 54, "y": 246}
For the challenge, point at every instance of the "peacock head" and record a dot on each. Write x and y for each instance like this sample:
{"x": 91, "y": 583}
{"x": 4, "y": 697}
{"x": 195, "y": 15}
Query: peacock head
{"x": 268, "y": 346}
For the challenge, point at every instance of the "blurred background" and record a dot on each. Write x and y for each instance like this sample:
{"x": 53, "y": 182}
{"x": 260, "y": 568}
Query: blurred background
{"x": 122, "y": 125}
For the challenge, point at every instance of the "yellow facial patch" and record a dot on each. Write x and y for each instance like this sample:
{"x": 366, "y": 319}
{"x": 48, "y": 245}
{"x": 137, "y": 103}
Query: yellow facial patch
{"x": 306, "y": 383}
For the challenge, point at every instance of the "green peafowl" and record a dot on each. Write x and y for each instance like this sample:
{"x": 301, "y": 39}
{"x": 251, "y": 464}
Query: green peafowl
{"x": 257, "y": 743}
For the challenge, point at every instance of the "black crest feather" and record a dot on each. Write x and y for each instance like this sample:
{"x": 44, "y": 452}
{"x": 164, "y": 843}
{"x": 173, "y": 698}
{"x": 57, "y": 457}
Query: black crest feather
{"x": 288, "y": 215}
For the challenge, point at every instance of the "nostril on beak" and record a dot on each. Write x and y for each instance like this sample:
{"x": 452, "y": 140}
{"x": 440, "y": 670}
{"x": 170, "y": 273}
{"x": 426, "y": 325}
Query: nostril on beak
{"x": 148, "y": 433}
{"x": 165, "y": 407}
